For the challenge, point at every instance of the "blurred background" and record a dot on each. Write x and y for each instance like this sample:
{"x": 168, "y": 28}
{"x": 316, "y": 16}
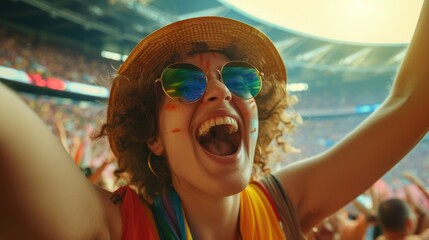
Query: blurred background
{"x": 341, "y": 57}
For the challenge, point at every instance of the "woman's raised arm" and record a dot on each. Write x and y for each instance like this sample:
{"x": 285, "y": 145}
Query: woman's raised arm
{"x": 43, "y": 194}
{"x": 320, "y": 185}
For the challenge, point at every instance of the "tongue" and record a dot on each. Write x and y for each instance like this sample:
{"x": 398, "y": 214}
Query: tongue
{"x": 219, "y": 147}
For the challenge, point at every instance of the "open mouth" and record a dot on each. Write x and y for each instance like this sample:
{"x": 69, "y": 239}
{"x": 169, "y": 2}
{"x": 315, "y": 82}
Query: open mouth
{"x": 219, "y": 136}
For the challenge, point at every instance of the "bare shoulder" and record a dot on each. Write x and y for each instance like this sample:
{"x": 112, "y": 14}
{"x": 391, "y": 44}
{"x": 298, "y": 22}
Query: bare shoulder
{"x": 112, "y": 211}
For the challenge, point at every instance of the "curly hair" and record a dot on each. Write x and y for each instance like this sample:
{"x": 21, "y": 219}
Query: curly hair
{"x": 134, "y": 123}
{"x": 274, "y": 123}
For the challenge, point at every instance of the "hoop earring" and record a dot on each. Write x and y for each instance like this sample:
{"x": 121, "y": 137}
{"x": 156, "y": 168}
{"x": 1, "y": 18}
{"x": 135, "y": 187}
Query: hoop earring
{"x": 149, "y": 158}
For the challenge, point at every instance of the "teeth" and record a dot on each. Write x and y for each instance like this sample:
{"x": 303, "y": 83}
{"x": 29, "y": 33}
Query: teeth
{"x": 205, "y": 126}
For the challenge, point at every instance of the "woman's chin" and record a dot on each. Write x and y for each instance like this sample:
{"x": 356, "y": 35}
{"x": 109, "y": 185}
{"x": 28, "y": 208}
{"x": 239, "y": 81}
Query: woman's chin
{"x": 231, "y": 185}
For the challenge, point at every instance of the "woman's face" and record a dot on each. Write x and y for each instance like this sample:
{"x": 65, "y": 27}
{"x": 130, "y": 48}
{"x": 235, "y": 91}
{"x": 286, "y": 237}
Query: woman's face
{"x": 215, "y": 159}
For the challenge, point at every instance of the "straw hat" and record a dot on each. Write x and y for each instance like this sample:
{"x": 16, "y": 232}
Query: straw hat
{"x": 172, "y": 43}
{"x": 239, "y": 40}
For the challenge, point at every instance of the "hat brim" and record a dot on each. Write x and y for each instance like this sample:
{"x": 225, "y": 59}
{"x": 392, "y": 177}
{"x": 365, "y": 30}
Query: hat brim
{"x": 239, "y": 40}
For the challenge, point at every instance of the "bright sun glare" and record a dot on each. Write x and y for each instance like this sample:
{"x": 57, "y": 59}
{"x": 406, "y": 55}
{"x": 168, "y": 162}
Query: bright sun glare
{"x": 364, "y": 21}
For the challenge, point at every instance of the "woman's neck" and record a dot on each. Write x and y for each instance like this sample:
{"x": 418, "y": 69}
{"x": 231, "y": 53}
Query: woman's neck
{"x": 211, "y": 217}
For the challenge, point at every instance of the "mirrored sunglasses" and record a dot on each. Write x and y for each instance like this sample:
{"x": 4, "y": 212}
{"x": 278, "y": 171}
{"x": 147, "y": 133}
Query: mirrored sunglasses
{"x": 187, "y": 83}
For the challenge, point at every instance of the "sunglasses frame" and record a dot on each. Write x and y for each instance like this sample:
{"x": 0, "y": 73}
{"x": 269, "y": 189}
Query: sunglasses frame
{"x": 260, "y": 75}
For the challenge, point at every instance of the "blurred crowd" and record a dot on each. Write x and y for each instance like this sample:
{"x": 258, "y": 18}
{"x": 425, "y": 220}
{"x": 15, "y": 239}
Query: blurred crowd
{"x": 382, "y": 212}
{"x": 47, "y": 58}
{"x": 318, "y": 134}
{"x": 332, "y": 90}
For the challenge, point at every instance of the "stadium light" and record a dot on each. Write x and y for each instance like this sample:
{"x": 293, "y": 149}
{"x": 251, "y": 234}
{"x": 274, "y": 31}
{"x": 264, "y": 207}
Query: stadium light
{"x": 112, "y": 55}
{"x": 297, "y": 87}
{"x": 357, "y": 21}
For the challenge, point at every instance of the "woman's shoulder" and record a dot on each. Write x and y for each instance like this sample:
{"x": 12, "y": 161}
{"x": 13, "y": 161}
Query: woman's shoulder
{"x": 283, "y": 205}
{"x": 112, "y": 212}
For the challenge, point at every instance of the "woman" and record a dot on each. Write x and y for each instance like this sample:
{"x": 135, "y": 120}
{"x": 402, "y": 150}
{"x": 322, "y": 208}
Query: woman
{"x": 192, "y": 134}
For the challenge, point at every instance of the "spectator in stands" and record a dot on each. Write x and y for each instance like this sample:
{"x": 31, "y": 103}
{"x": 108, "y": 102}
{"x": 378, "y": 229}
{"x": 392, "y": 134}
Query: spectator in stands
{"x": 417, "y": 197}
{"x": 194, "y": 179}
{"x": 398, "y": 221}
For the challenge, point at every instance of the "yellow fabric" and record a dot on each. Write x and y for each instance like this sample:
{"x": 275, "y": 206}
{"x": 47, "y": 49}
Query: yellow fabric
{"x": 188, "y": 231}
{"x": 257, "y": 218}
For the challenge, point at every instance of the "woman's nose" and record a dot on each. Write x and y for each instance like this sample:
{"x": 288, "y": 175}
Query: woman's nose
{"x": 216, "y": 89}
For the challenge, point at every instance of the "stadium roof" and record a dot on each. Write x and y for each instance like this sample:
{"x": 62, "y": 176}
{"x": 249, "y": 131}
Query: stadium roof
{"x": 359, "y": 21}
{"x": 117, "y": 25}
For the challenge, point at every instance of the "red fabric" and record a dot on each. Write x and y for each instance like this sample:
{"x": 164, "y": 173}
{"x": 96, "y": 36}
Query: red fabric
{"x": 267, "y": 194}
{"x": 137, "y": 218}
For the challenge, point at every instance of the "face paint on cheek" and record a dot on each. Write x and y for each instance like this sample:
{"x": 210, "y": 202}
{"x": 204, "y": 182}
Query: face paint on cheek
{"x": 171, "y": 107}
{"x": 251, "y": 107}
{"x": 254, "y": 128}
{"x": 252, "y": 104}
{"x": 175, "y": 130}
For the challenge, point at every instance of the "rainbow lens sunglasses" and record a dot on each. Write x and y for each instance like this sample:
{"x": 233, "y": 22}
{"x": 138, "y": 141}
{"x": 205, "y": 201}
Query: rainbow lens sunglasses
{"x": 187, "y": 83}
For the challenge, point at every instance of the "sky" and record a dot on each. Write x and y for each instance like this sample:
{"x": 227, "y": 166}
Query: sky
{"x": 363, "y": 21}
